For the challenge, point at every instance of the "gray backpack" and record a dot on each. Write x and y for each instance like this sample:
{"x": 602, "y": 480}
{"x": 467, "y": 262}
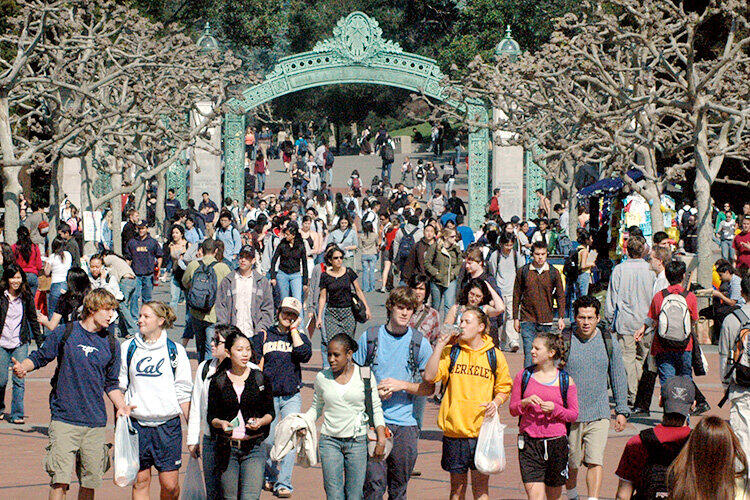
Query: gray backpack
{"x": 201, "y": 295}
{"x": 675, "y": 327}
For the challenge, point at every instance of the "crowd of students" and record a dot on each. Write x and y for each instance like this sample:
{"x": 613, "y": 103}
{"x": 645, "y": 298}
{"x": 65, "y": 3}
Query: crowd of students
{"x": 257, "y": 280}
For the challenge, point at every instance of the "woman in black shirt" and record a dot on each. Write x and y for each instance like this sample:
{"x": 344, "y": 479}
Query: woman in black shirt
{"x": 291, "y": 256}
{"x": 70, "y": 302}
{"x": 335, "y": 302}
{"x": 240, "y": 412}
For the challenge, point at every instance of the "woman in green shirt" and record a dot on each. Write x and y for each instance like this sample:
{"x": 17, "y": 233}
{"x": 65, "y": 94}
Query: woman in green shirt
{"x": 340, "y": 398}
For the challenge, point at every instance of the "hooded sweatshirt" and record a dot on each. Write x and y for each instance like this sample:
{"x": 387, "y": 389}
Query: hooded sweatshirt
{"x": 153, "y": 387}
{"x": 472, "y": 384}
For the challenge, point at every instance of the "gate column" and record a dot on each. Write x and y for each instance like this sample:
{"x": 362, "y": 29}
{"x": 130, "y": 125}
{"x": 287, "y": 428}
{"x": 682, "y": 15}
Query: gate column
{"x": 234, "y": 157}
{"x": 478, "y": 161}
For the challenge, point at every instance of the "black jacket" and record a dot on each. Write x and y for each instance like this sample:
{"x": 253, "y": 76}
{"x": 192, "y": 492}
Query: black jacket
{"x": 222, "y": 404}
{"x": 29, "y": 324}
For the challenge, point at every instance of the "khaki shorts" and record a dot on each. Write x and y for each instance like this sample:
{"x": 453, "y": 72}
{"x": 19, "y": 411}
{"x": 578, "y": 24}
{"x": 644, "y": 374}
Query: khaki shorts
{"x": 587, "y": 441}
{"x": 69, "y": 444}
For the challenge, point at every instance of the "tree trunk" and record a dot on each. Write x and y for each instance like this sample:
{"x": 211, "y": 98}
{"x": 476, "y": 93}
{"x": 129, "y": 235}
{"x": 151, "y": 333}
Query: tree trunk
{"x": 161, "y": 195}
{"x": 10, "y": 174}
{"x": 573, "y": 212}
{"x": 55, "y": 197}
{"x": 117, "y": 213}
{"x": 705, "y": 229}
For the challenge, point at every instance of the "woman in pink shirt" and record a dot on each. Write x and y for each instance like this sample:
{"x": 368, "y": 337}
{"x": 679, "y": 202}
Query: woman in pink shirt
{"x": 537, "y": 398}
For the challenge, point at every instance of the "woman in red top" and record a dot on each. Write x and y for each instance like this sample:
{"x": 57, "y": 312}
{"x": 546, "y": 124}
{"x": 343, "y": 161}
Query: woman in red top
{"x": 260, "y": 172}
{"x": 28, "y": 257}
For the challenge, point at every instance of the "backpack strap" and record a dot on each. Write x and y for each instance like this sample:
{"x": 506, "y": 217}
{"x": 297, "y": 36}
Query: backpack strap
{"x": 172, "y": 351}
{"x": 366, "y": 375}
{"x": 204, "y": 371}
{"x": 455, "y": 352}
{"x": 129, "y": 357}
{"x": 414, "y": 346}
{"x": 60, "y": 354}
{"x": 525, "y": 378}
{"x": 564, "y": 386}
{"x": 259, "y": 379}
{"x": 657, "y": 452}
{"x": 371, "y": 334}
{"x": 492, "y": 359}
{"x": 664, "y": 294}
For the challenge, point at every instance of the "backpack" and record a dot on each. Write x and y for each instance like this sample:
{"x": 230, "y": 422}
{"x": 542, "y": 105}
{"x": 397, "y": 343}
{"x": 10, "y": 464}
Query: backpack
{"x": 674, "y": 320}
{"x": 564, "y": 385}
{"x": 171, "y": 349}
{"x": 455, "y": 351}
{"x": 564, "y": 245}
{"x": 388, "y": 153}
{"x": 202, "y": 293}
{"x": 570, "y": 268}
{"x": 407, "y": 243}
{"x": 419, "y": 173}
{"x": 372, "y": 335}
{"x": 654, "y": 475}
{"x": 113, "y": 346}
{"x": 356, "y": 183}
{"x": 302, "y": 148}
{"x": 329, "y": 159}
{"x": 739, "y": 356}
{"x": 432, "y": 175}
{"x": 204, "y": 371}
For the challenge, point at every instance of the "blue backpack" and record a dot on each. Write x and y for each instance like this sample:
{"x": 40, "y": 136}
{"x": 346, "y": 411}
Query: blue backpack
{"x": 171, "y": 349}
{"x": 201, "y": 295}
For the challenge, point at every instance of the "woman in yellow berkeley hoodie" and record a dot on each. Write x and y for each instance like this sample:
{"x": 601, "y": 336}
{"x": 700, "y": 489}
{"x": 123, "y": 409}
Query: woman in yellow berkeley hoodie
{"x": 475, "y": 389}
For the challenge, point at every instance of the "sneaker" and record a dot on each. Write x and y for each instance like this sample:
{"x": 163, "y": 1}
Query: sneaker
{"x": 639, "y": 412}
{"x": 514, "y": 347}
{"x": 283, "y": 493}
{"x": 701, "y": 409}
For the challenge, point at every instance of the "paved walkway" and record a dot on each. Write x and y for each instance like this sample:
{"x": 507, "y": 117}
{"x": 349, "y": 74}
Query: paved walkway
{"x": 22, "y": 474}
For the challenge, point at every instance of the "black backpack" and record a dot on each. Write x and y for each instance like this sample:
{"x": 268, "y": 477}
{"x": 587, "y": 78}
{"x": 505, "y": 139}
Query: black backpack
{"x": 201, "y": 295}
{"x": 419, "y": 173}
{"x": 654, "y": 475}
{"x": 570, "y": 268}
{"x": 388, "y": 153}
{"x": 404, "y": 248}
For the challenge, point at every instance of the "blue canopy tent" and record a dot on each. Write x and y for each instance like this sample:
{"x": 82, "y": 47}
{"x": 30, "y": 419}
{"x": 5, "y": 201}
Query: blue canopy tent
{"x": 608, "y": 186}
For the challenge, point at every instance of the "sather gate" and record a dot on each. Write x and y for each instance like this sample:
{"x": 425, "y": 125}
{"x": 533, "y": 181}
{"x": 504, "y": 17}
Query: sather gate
{"x": 357, "y": 53}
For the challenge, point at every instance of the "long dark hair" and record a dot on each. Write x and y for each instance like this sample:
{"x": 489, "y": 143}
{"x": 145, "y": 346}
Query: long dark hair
{"x": 78, "y": 286}
{"x": 231, "y": 337}
{"x": 706, "y": 468}
{"x": 23, "y": 244}
{"x": 9, "y": 271}
{"x": 58, "y": 247}
{"x": 463, "y": 298}
{"x": 7, "y": 251}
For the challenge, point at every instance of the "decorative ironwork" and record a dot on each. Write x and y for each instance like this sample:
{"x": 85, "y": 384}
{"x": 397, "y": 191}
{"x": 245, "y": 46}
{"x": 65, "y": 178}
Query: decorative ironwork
{"x": 535, "y": 179}
{"x": 357, "y": 53}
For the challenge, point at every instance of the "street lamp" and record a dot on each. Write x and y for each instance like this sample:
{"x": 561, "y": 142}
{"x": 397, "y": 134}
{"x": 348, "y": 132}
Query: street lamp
{"x": 508, "y": 47}
{"x": 207, "y": 42}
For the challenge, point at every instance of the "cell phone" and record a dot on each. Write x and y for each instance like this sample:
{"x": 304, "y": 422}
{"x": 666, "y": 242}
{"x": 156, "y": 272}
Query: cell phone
{"x": 235, "y": 422}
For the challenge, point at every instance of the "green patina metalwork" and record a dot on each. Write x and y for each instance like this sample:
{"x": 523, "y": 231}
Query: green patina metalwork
{"x": 357, "y": 53}
{"x": 535, "y": 179}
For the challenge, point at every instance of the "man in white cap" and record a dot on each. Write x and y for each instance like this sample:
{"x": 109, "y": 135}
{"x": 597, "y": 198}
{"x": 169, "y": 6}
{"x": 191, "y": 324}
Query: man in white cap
{"x": 280, "y": 352}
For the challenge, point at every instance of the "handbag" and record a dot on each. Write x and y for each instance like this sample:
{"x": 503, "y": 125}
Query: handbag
{"x": 372, "y": 436}
{"x": 45, "y": 282}
{"x": 358, "y": 308}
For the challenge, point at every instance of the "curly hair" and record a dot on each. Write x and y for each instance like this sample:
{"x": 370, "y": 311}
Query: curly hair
{"x": 555, "y": 342}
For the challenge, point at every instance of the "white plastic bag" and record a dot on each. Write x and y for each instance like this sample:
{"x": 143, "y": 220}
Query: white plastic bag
{"x": 489, "y": 457}
{"x": 127, "y": 462}
{"x": 193, "y": 488}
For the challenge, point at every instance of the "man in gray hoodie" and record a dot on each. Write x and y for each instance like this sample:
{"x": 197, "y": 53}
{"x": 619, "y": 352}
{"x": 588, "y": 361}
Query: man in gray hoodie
{"x": 244, "y": 298}
{"x": 628, "y": 299}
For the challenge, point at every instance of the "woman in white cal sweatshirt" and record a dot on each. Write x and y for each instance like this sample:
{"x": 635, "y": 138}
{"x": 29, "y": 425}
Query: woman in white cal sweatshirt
{"x": 157, "y": 381}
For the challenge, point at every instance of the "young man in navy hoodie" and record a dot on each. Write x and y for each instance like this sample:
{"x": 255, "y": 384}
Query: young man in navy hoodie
{"x": 280, "y": 352}
{"x": 88, "y": 365}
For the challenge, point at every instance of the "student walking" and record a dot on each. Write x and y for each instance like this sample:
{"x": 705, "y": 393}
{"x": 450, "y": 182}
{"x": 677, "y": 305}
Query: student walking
{"x": 341, "y": 397}
{"x": 155, "y": 376}
{"x": 478, "y": 383}
{"x": 545, "y": 399}
{"x": 240, "y": 412}
{"x": 19, "y": 325}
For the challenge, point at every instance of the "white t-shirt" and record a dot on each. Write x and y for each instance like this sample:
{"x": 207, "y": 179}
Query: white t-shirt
{"x": 59, "y": 267}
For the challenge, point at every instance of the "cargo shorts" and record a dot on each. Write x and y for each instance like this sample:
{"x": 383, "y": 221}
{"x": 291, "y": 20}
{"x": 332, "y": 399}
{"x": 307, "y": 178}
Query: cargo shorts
{"x": 75, "y": 447}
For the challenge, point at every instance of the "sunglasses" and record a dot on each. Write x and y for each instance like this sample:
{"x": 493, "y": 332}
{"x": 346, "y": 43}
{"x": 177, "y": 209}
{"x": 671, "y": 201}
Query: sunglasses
{"x": 337, "y": 258}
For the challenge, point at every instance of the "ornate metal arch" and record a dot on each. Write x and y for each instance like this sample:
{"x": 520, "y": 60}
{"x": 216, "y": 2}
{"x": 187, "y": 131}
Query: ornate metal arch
{"x": 357, "y": 53}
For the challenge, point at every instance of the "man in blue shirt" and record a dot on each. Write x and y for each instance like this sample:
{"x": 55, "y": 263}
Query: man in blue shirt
{"x": 143, "y": 253}
{"x": 467, "y": 235}
{"x": 171, "y": 205}
{"x": 88, "y": 365}
{"x": 400, "y": 381}
{"x": 207, "y": 208}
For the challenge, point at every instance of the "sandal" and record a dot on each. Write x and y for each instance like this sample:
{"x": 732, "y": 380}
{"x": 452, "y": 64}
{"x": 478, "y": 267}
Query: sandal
{"x": 267, "y": 486}
{"x": 18, "y": 421}
{"x": 283, "y": 493}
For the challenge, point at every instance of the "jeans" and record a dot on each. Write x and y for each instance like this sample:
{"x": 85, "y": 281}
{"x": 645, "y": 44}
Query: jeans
{"x": 260, "y": 181}
{"x": 16, "y": 406}
{"x": 447, "y": 295}
{"x": 672, "y": 364}
{"x": 509, "y": 335}
{"x": 431, "y": 188}
{"x": 280, "y": 475}
{"x": 199, "y": 329}
{"x": 528, "y": 333}
{"x": 33, "y": 281}
{"x": 289, "y": 285}
{"x": 176, "y": 293}
{"x": 243, "y": 477}
{"x": 394, "y": 472}
{"x": 386, "y": 172}
{"x": 449, "y": 186}
{"x": 574, "y": 291}
{"x": 55, "y": 291}
{"x": 144, "y": 286}
{"x": 368, "y": 272}
{"x": 344, "y": 463}
{"x": 128, "y": 322}
{"x": 213, "y": 485}
{"x": 727, "y": 251}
